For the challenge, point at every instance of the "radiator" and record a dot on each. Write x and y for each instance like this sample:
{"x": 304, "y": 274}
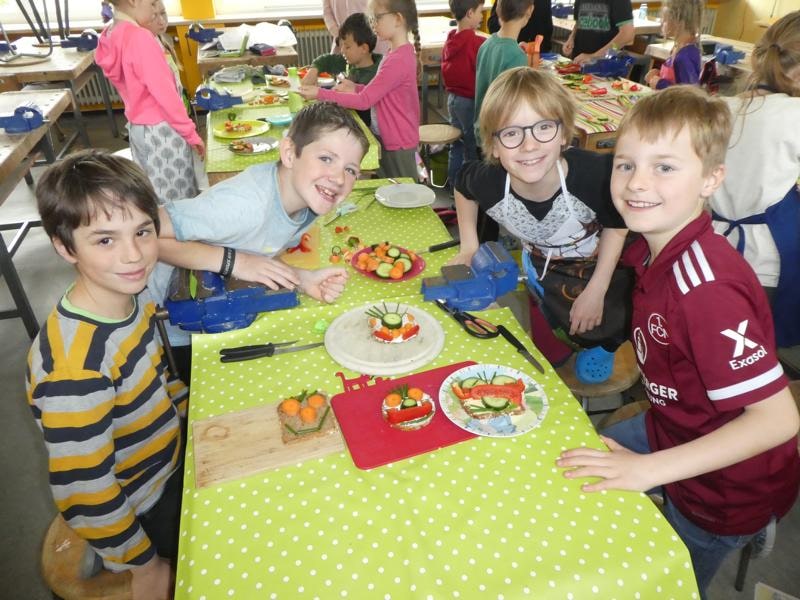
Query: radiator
{"x": 90, "y": 94}
{"x": 311, "y": 43}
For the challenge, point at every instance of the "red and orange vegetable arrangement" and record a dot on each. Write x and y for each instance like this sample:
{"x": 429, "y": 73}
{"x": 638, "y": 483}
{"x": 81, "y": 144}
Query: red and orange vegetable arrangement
{"x": 386, "y": 260}
{"x": 392, "y": 326}
{"x": 305, "y": 415}
{"x": 407, "y": 408}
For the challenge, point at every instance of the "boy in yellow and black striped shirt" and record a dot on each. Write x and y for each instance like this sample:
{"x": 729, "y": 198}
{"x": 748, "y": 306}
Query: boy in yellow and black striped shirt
{"x": 97, "y": 379}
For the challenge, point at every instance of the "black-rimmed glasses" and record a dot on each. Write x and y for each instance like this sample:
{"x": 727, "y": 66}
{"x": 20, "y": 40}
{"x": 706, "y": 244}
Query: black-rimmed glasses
{"x": 543, "y": 132}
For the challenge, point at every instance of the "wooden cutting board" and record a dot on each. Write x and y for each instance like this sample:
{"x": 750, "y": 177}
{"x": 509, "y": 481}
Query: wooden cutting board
{"x": 306, "y": 260}
{"x": 235, "y": 445}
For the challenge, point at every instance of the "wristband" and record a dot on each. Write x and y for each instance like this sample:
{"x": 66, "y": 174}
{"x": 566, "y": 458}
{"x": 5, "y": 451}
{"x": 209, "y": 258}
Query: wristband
{"x": 228, "y": 259}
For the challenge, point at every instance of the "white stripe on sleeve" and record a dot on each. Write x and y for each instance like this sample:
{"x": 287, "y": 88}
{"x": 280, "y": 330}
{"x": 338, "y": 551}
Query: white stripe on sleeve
{"x": 737, "y": 389}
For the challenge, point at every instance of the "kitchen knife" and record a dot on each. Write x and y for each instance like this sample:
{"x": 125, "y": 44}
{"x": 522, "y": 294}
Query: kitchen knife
{"x": 437, "y": 247}
{"x": 510, "y": 338}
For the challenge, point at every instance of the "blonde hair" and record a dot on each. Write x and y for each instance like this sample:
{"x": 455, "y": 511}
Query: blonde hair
{"x": 408, "y": 10}
{"x": 708, "y": 119}
{"x": 689, "y": 13}
{"x": 777, "y": 53}
{"x": 539, "y": 89}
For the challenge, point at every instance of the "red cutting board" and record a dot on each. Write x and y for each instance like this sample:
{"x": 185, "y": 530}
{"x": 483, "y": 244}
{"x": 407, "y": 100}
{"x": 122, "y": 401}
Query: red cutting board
{"x": 372, "y": 442}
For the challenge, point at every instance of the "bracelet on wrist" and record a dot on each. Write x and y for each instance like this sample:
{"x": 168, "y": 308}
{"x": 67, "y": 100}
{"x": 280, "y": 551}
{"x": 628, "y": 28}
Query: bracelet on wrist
{"x": 228, "y": 260}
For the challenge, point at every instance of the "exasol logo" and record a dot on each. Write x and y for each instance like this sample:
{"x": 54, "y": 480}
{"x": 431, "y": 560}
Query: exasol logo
{"x": 742, "y": 342}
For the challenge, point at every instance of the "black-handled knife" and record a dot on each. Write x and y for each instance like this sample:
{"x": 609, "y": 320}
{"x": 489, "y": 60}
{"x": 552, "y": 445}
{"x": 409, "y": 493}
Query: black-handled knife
{"x": 511, "y": 339}
{"x": 442, "y": 246}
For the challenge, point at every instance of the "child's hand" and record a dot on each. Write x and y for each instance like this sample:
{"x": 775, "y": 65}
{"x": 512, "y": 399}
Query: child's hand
{"x": 201, "y": 150}
{"x": 267, "y": 271}
{"x": 463, "y": 257}
{"x": 587, "y": 311}
{"x": 652, "y": 78}
{"x": 619, "y": 469}
{"x": 309, "y": 92}
{"x": 583, "y": 58}
{"x": 346, "y": 86}
{"x": 325, "y": 285}
{"x": 154, "y": 580}
{"x": 567, "y": 47}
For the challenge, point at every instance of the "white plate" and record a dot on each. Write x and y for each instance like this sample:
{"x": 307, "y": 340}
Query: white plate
{"x": 534, "y": 401}
{"x": 405, "y": 195}
{"x": 350, "y": 342}
{"x": 326, "y": 82}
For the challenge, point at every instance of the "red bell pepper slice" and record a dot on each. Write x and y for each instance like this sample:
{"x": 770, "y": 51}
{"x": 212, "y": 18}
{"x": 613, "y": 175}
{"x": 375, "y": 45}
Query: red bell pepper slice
{"x": 599, "y": 92}
{"x": 411, "y": 332}
{"x": 409, "y": 414}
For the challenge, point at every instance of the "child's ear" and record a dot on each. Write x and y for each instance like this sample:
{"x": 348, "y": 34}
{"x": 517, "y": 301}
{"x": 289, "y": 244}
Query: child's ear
{"x": 287, "y": 152}
{"x": 62, "y": 251}
{"x": 712, "y": 181}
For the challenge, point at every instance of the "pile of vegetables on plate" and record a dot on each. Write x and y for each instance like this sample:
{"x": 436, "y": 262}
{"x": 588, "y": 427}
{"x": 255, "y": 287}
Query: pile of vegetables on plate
{"x": 407, "y": 408}
{"x": 237, "y": 126}
{"x": 386, "y": 260}
{"x": 392, "y": 326}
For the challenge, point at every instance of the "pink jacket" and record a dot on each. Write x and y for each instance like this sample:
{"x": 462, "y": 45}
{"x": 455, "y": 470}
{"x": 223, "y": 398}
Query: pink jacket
{"x": 393, "y": 93}
{"x": 133, "y": 60}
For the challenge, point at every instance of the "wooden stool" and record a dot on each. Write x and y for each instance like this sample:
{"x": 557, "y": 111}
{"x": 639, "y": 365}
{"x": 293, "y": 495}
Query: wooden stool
{"x": 62, "y": 554}
{"x": 430, "y": 135}
{"x": 624, "y": 375}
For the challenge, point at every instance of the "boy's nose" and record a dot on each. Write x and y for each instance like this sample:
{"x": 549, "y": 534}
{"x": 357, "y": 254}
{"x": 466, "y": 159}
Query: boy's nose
{"x": 131, "y": 252}
{"x": 529, "y": 142}
{"x": 638, "y": 180}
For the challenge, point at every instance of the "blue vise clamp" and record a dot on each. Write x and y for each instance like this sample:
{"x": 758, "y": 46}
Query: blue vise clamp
{"x": 207, "y": 302}
{"x": 25, "y": 118}
{"x": 85, "y": 42}
{"x": 492, "y": 273}
{"x": 201, "y": 35}
{"x": 210, "y": 99}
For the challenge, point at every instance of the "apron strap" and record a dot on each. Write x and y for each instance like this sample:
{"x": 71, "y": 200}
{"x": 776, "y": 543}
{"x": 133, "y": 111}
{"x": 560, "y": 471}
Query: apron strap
{"x": 736, "y": 224}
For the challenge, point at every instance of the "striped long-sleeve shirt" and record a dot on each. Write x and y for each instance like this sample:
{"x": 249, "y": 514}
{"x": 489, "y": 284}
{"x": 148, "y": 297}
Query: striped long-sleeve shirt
{"x": 109, "y": 412}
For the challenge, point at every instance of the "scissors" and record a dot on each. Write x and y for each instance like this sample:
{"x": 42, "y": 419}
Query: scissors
{"x": 475, "y": 326}
{"x": 261, "y": 350}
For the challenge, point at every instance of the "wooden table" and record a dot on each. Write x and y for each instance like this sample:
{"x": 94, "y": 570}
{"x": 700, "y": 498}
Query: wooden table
{"x": 208, "y": 63}
{"x": 487, "y": 517}
{"x": 16, "y": 158}
{"x": 65, "y": 66}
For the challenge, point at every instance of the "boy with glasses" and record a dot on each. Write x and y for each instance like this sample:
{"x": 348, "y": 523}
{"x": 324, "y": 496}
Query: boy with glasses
{"x": 556, "y": 200}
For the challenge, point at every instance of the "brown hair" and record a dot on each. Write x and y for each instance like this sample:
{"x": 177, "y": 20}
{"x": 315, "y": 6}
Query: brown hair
{"x": 541, "y": 90}
{"x": 319, "y": 118}
{"x": 708, "y": 119}
{"x": 689, "y": 13}
{"x": 777, "y": 53}
{"x": 71, "y": 192}
{"x": 508, "y": 10}
{"x": 460, "y": 8}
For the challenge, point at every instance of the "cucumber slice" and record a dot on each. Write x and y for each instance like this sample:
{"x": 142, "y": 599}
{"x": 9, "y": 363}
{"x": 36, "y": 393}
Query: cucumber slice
{"x": 494, "y": 402}
{"x": 393, "y": 252}
{"x": 392, "y": 321}
{"x": 383, "y": 270}
{"x": 408, "y": 403}
{"x": 470, "y": 382}
{"x": 406, "y": 262}
{"x": 503, "y": 380}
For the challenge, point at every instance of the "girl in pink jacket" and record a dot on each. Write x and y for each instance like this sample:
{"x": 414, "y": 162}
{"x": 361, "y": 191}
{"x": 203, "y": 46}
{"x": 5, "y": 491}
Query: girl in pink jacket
{"x": 162, "y": 136}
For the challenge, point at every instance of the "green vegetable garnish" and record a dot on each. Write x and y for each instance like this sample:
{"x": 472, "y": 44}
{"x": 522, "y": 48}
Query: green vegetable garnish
{"x": 192, "y": 285}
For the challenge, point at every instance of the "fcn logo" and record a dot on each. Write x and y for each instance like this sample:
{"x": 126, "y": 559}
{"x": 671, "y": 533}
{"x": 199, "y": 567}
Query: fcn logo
{"x": 657, "y": 328}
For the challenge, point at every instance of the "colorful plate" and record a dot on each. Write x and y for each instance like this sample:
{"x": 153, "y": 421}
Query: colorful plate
{"x": 534, "y": 402}
{"x": 256, "y": 128}
{"x": 416, "y": 267}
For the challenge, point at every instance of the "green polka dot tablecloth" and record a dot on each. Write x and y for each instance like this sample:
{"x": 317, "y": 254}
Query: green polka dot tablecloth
{"x": 486, "y": 518}
{"x": 221, "y": 160}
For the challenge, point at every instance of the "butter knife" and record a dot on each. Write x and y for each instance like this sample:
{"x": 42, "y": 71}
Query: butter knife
{"x": 511, "y": 339}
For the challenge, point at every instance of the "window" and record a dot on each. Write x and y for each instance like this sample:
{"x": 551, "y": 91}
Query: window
{"x": 274, "y": 9}
{"x": 82, "y": 11}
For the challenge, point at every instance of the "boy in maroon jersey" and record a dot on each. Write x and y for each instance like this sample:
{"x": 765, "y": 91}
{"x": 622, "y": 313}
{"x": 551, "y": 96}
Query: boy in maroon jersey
{"x": 720, "y": 432}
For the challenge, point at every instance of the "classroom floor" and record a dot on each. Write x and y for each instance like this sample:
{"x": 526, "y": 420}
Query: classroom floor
{"x": 27, "y": 506}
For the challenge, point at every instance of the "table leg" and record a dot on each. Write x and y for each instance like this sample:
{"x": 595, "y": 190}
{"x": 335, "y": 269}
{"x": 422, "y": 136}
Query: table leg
{"x": 103, "y": 83}
{"x": 79, "y": 124}
{"x": 23, "y": 310}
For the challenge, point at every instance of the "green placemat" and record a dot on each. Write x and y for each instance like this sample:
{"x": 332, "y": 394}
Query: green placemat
{"x": 221, "y": 160}
{"x": 486, "y": 516}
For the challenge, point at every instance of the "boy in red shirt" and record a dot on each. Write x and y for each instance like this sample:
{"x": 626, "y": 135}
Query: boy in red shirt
{"x": 720, "y": 432}
{"x": 459, "y": 61}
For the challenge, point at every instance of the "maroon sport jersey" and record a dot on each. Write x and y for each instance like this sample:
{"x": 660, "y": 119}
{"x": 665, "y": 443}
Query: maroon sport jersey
{"x": 703, "y": 334}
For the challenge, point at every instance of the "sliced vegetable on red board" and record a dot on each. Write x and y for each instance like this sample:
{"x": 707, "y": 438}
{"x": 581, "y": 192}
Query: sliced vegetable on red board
{"x": 409, "y": 414}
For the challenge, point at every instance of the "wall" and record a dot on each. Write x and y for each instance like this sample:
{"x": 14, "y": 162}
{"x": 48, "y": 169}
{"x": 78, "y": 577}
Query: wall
{"x": 736, "y": 19}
